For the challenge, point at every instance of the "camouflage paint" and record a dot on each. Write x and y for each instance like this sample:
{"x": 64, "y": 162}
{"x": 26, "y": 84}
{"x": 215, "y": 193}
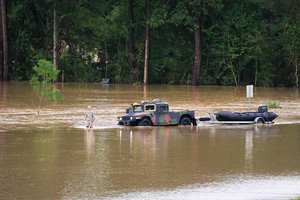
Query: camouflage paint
{"x": 157, "y": 117}
{"x": 153, "y": 118}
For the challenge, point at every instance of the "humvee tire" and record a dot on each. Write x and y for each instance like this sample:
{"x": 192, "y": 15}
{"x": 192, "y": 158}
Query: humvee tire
{"x": 185, "y": 121}
{"x": 145, "y": 122}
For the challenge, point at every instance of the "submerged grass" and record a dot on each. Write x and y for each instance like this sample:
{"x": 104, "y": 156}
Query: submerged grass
{"x": 274, "y": 104}
{"x": 297, "y": 198}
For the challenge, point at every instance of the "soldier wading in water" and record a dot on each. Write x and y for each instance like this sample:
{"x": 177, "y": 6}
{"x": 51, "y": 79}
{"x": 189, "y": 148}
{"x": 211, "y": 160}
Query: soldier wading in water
{"x": 89, "y": 117}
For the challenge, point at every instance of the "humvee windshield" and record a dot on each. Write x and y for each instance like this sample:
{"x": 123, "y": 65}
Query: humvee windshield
{"x": 137, "y": 109}
{"x": 134, "y": 108}
{"x": 129, "y": 110}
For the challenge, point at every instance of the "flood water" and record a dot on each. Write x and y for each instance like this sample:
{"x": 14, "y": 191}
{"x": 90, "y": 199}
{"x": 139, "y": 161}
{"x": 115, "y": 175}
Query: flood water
{"x": 52, "y": 156}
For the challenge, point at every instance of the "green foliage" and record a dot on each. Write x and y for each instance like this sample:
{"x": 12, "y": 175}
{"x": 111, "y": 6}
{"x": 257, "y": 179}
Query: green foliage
{"x": 297, "y": 198}
{"x": 274, "y": 104}
{"x": 291, "y": 37}
{"x": 242, "y": 42}
{"x": 42, "y": 82}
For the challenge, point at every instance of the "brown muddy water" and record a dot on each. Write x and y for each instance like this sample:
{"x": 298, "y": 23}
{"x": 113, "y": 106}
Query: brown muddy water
{"x": 52, "y": 156}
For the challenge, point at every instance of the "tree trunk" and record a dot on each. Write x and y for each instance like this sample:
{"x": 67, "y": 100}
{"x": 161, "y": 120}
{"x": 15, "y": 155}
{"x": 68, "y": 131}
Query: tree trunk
{"x": 55, "y": 37}
{"x": 5, "y": 41}
{"x": 147, "y": 38}
{"x": 197, "y": 62}
{"x": 131, "y": 45}
{"x": 233, "y": 74}
{"x": 106, "y": 58}
{"x": 255, "y": 79}
{"x": 1, "y": 49}
{"x": 296, "y": 73}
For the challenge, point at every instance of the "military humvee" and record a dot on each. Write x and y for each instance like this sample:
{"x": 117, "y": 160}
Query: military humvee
{"x": 155, "y": 113}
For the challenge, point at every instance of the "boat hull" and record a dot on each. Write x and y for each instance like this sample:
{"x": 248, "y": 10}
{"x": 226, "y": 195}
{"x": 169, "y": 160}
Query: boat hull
{"x": 245, "y": 116}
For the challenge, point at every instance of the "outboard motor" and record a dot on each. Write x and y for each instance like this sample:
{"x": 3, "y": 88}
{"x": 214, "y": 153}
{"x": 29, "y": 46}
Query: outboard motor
{"x": 262, "y": 109}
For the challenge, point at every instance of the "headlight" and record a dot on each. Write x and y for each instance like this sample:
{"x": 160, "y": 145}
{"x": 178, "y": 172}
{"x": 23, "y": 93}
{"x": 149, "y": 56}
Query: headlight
{"x": 131, "y": 118}
{"x": 120, "y": 119}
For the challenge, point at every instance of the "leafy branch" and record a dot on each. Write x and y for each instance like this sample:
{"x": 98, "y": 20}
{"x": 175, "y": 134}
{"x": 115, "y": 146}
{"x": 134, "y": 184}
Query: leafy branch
{"x": 42, "y": 82}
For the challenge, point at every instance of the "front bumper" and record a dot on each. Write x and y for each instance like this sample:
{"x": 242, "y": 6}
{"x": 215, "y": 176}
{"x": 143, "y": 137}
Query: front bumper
{"x": 127, "y": 121}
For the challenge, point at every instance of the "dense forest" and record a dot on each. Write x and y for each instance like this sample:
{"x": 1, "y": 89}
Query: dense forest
{"x": 196, "y": 42}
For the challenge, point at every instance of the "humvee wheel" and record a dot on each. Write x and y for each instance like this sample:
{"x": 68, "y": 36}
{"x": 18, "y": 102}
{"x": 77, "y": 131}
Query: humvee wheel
{"x": 185, "y": 121}
{"x": 145, "y": 122}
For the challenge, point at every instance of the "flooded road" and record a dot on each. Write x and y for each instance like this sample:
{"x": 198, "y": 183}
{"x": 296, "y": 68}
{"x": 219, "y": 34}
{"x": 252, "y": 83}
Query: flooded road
{"x": 52, "y": 156}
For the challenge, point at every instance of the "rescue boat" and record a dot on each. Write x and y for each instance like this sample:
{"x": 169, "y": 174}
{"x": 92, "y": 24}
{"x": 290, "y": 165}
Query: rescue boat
{"x": 262, "y": 113}
{"x": 227, "y": 117}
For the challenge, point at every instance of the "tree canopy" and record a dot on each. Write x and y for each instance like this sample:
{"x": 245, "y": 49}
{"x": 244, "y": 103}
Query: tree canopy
{"x": 240, "y": 41}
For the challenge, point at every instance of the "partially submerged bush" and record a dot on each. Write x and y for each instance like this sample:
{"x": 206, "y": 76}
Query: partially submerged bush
{"x": 274, "y": 104}
{"x": 42, "y": 81}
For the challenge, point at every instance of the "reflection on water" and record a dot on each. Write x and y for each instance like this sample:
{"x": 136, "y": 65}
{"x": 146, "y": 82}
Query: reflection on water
{"x": 248, "y": 150}
{"x": 3, "y": 91}
{"x": 89, "y": 140}
{"x": 52, "y": 156}
{"x": 91, "y": 164}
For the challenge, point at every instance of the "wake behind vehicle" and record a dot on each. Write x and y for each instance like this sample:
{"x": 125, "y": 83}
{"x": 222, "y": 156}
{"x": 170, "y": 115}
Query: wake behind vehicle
{"x": 155, "y": 113}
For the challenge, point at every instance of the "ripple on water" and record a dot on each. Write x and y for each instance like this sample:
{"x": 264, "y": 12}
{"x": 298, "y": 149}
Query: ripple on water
{"x": 17, "y": 108}
{"x": 235, "y": 188}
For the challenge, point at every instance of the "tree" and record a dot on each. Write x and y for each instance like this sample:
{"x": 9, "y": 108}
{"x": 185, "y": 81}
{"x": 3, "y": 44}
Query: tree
{"x": 42, "y": 82}
{"x": 291, "y": 34}
{"x": 1, "y": 50}
{"x": 236, "y": 44}
{"x": 131, "y": 46}
{"x": 55, "y": 35}
{"x": 256, "y": 43}
{"x": 207, "y": 42}
{"x": 201, "y": 12}
{"x": 194, "y": 15}
{"x": 147, "y": 41}
{"x": 4, "y": 41}
{"x": 198, "y": 58}
{"x": 171, "y": 52}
